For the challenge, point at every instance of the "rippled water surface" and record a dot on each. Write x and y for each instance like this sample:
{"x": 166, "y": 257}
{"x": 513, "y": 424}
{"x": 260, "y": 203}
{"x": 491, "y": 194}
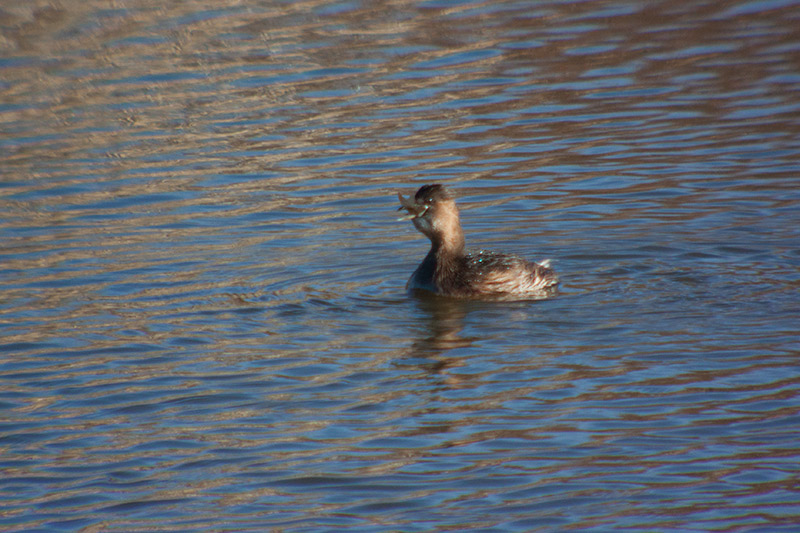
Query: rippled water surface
{"x": 203, "y": 322}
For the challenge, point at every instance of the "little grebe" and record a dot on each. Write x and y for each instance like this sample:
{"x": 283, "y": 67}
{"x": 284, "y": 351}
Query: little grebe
{"x": 450, "y": 270}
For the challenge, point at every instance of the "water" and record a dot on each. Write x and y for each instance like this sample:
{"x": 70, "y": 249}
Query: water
{"x": 202, "y": 312}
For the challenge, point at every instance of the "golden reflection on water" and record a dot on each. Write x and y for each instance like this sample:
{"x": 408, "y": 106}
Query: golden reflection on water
{"x": 202, "y": 293}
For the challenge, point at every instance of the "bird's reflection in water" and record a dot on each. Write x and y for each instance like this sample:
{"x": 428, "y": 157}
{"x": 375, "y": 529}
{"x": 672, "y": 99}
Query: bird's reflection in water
{"x": 442, "y": 335}
{"x": 441, "y": 344}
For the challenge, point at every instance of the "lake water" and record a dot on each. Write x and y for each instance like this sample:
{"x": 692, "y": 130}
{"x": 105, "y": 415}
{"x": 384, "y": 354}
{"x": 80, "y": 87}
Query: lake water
{"x": 203, "y": 321}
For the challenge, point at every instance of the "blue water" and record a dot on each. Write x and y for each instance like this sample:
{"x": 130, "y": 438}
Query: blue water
{"x": 203, "y": 322}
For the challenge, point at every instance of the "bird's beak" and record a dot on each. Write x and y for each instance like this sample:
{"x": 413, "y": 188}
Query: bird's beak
{"x": 414, "y": 210}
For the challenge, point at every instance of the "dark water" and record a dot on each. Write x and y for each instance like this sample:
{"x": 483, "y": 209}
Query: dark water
{"x": 202, "y": 314}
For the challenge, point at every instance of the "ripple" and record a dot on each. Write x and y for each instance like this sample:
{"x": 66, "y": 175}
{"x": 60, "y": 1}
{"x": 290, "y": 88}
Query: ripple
{"x": 203, "y": 308}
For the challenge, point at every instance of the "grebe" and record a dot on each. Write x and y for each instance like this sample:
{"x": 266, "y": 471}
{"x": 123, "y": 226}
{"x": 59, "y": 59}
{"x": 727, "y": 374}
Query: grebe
{"x": 449, "y": 270}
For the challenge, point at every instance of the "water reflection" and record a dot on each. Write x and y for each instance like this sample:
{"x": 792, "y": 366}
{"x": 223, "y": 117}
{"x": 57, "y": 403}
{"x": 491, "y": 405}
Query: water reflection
{"x": 202, "y": 307}
{"x": 443, "y": 325}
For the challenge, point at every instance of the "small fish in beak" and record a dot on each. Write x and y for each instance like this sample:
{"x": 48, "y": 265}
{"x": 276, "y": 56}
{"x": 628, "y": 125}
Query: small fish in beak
{"x": 414, "y": 210}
